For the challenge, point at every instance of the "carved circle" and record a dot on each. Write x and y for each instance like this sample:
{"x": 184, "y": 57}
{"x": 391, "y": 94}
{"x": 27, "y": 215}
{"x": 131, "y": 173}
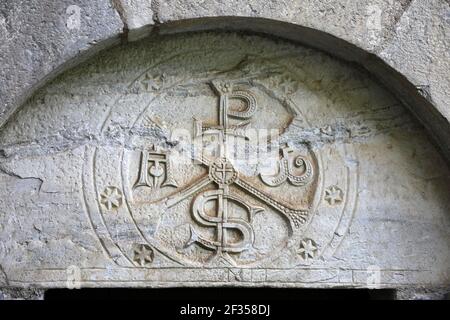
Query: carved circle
{"x": 223, "y": 172}
{"x": 139, "y": 220}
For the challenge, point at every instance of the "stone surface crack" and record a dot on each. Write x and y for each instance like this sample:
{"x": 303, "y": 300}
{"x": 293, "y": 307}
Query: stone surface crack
{"x": 155, "y": 5}
{"x": 356, "y": 128}
{"x": 15, "y": 175}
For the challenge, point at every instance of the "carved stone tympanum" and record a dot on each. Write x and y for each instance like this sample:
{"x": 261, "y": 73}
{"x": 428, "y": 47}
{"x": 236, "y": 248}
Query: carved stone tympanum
{"x": 211, "y": 159}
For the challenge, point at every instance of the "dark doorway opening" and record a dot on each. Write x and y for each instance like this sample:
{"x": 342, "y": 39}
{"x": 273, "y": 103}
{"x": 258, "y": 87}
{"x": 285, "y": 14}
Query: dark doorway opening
{"x": 220, "y": 294}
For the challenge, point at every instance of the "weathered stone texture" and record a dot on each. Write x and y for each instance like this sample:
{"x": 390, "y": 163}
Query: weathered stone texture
{"x": 38, "y": 39}
{"x": 420, "y": 49}
{"x": 344, "y": 19}
{"x": 21, "y": 294}
{"x": 364, "y": 204}
{"x": 423, "y": 294}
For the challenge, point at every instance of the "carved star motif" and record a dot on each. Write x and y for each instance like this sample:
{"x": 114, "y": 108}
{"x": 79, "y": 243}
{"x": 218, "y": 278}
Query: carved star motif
{"x": 287, "y": 85}
{"x": 143, "y": 254}
{"x": 308, "y": 249}
{"x": 334, "y": 195}
{"x": 111, "y": 198}
{"x": 153, "y": 83}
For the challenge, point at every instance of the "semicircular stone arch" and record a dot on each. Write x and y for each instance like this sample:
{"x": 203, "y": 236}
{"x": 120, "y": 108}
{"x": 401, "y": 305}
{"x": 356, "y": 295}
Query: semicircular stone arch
{"x": 251, "y": 159}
